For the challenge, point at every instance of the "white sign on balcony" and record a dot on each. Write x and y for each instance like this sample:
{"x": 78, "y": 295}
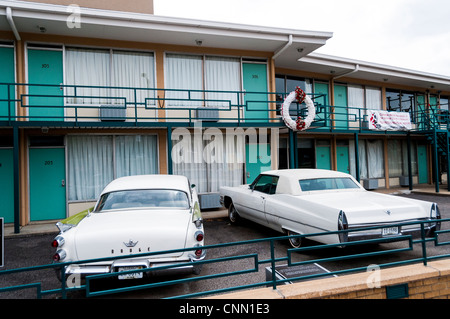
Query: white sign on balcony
{"x": 384, "y": 120}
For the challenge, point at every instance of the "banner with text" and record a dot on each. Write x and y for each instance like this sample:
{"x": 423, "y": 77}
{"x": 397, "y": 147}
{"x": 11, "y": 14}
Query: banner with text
{"x": 384, "y": 120}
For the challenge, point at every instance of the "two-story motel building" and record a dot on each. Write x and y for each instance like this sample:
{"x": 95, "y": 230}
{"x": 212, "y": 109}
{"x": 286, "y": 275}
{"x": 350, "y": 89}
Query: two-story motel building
{"x": 100, "y": 91}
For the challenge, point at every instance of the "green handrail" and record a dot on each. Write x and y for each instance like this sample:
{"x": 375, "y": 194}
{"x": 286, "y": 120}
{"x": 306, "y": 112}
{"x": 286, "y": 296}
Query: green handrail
{"x": 232, "y": 106}
{"x": 272, "y": 260}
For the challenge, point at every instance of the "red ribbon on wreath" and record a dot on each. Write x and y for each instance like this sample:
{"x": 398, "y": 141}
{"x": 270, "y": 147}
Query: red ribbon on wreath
{"x": 300, "y": 96}
{"x": 300, "y": 123}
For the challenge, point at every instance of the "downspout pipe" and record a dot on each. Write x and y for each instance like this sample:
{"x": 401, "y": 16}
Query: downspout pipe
{"x": 283, "y": 48}
{"x": 12, "y": 24}
{"x": 356, "y": 69}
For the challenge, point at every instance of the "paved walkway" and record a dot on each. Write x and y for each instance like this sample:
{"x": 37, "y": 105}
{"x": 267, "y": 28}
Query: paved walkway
{"x": 49, "y": 227}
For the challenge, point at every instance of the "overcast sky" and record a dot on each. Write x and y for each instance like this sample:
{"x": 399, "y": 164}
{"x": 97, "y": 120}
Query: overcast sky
{"x": 413, "y": 34}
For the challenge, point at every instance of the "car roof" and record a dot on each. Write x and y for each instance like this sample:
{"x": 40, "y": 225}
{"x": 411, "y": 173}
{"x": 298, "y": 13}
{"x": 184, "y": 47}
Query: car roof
{"x": 156, "y": 181}
{"x": 306, "y": 173}
{"x": 288, "y": 183}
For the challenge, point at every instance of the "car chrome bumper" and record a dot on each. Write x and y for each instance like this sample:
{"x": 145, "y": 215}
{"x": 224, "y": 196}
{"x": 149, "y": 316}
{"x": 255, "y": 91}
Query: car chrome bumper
{"x": 377, "y": 233}
{"x": 160, "y": 268}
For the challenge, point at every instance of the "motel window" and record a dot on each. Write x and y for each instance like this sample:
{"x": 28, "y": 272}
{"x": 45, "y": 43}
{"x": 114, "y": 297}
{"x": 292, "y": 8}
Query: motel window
{"x": 210, "y": 164}
{"x": 94, "y": 161}
{"x": 116, "y": 71}
{"x": 194, "y": 80}
{"x": 285, "y": 84}
{"x": 398, "y": 157}
{"x": 363, "y": 98}
{"x": 371, "y": 158}
{"x": 399, "y": 101}
{"x": 443, "y": 103}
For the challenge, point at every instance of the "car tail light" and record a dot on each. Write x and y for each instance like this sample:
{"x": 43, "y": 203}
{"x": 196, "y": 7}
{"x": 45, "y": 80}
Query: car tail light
{"x": 57, "y": 242}
{"x": 342, "y": 225}
{"x": 59, "y": 255}
{"x": 198, "y": 253}
{"x": 436, "y": 215}
{"x": 198, "y": 223}
{"x": 199, "y": 236}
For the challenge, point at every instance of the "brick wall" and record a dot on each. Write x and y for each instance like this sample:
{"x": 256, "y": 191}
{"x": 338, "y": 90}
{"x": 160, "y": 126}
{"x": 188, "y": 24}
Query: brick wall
{"x": 140, "y": 6}
{"x": 418, "y": 281}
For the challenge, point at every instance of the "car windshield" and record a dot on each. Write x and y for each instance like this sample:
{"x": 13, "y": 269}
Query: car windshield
{"x": 143, "y": 198}
{"x": 319, "y": 184}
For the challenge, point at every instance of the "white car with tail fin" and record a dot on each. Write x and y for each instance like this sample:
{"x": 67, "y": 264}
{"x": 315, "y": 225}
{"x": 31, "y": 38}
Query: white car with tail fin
{"x": 135, "y": 215}
{"x": 311, "y": 201}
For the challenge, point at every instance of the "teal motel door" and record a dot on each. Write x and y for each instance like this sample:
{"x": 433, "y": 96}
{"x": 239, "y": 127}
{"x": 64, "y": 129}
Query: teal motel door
{"x": 45, "y": 102}
{"x": 342, "y": 159}
{"x": 257, "y": 157}
{"x": 7, "y": 76}
{"x": 47, "y": 183}
{"x": 323, "y": 154}
{"x": 340, "y": 107}
{"x": 7, "y": 185}
{"x": 256, "y": 107}
{"x": 422, "y": 164}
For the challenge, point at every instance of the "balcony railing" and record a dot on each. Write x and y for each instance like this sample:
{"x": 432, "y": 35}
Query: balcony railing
{"x": 404, "y": 250}
{"x": 81, "y": 104}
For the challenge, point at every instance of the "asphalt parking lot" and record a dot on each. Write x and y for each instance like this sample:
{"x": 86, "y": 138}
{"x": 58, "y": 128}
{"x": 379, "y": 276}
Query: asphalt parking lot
{"x": 36, "y": 250}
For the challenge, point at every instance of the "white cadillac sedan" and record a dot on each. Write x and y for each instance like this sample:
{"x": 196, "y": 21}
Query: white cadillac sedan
{"x": 311, "y": 201}
{"x": 135, "y": 215}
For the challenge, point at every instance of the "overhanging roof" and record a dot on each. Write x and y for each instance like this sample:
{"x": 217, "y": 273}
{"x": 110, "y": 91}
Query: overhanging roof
{"x": 338, "y": 67}
{"x": 103, "y": 24}
{"x": 291, "y": 49}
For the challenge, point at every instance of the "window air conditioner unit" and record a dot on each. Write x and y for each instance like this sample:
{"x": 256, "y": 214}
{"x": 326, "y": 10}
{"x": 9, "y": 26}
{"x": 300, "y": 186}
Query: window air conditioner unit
{"x": 207, "y": 115}
{"x": 404, "y": 180}
{"x": 209, "y": 200}
{"x": 112, "y": 112}
{"x": 370, "y": 183}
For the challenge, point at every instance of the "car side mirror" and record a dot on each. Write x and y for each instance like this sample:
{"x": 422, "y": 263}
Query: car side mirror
{"x": 192, "y": 185}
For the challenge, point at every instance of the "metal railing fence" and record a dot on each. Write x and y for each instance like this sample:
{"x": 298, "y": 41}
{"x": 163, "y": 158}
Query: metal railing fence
{"x": 422, "y": 256}
{"x": 135, "y": 106}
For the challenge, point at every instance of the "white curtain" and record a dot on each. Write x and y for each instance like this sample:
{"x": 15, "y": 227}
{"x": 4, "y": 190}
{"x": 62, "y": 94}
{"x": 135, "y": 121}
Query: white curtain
{"x": 371, "y": 158}
{"x": 211, "y": 162}
{"x": 373, "y": 98}
{"x": 136, "y": 155}
{"x": 109, "y": 68}
{"x": 222, "y": 74}
{"x": 88, "y": 67}
{"x": 375, "y": 158}
{"x": 395, "y": 158}
{"x": 414, "y": 167}
{"x": 90, "y": 166}
{"x": 192, "y": 164}
{"x": 184, "y": 72}
{"x": 94, "y": 161}
{"x": 135, "y": 70}
{"x": 355, "y": 102}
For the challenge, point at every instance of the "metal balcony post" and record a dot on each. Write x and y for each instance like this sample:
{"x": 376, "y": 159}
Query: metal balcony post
{"x": 447, "y": 144}
{"x": 16, "y": 180}
{"x": 410, "y": 179}
{"x": 435, "y": 161}
{"x": 169, "y": 150}
{"x": 291, "y": 150}
{"x": 357, "y": 157}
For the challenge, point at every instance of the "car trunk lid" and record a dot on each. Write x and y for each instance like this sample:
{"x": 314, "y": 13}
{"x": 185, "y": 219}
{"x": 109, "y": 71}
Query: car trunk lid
{"x": 123, "y": 233}
{"x": 363, "y": 207}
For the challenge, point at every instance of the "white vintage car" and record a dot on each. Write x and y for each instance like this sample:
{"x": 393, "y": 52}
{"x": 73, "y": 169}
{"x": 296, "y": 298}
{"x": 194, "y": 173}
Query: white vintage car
{"x": 307, "y": 201}
{"x": 135, "y": 215}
